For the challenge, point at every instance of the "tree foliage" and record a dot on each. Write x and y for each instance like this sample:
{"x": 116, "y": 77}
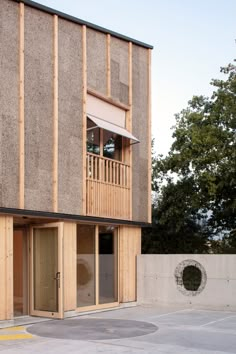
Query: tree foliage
{"x": 196, "y": 182}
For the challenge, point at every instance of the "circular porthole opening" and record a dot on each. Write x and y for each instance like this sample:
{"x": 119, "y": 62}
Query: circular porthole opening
{"x": 192, "y": 278}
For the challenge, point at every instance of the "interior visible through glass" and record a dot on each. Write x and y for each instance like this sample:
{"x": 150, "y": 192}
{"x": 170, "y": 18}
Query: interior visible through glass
{"x": 45, "y": 256}
{"x": 112, "y": 145}
{"x": 93, "y": 137}
{"x": 20, "y": 272}
{"x": 86, "y": 295}
{"x": 107, "y": 265}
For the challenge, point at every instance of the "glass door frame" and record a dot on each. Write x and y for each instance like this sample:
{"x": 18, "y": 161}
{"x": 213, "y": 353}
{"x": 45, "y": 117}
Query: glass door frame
{"x": 32, "y": 311}
{"x": 116, "y": 241}
{"x": 25, "y": 231}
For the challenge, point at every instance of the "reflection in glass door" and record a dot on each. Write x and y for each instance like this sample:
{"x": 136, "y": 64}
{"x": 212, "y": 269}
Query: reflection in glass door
{"x": 107, "y": 265}
{"x": 86, "y": 278}
{"x": 20, "y": 272}
{"x": 97, "y": 266}
{"x": 46, "y": 282}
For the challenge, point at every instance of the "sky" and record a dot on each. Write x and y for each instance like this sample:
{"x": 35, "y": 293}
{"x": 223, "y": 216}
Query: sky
{"x": 192, "y": 39}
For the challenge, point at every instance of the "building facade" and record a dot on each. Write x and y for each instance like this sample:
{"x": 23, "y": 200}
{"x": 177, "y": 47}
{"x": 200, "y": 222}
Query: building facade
{"x": 75, "y": 162}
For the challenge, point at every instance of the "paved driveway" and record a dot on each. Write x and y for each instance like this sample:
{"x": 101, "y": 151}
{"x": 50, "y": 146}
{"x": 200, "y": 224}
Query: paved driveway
{"x": 141, "y": 329}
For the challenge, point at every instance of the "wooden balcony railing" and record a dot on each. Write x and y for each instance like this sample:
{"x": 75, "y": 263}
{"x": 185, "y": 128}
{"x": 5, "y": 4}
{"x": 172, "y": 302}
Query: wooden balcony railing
{"x": 108, "y": 187}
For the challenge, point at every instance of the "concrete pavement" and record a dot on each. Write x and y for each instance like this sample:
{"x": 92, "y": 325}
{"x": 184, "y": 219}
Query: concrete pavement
{"x": 141, "y": 329}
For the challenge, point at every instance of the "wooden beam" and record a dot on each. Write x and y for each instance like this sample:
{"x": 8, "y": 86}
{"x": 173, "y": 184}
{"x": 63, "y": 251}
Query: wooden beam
{"x": 96, "y": 265}
{"x": 108, "y": 99}
{"x": 21, "y": 109}
{"x": 84, "y": 149}
{"x": 129, "y": 127}
{"x": 6, "y": 267}
{"x": 108, "y": 65}
{"x": 149, "y": 140}
{"x": 69, "y": 254}
{"x": 130, "y": 247}
{"x": 55, "y": 113}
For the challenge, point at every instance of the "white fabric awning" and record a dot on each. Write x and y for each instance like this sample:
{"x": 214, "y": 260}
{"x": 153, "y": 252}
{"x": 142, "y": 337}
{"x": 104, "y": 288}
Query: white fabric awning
{"x": 108, "y": 112}
{"x": 101, "y": 123}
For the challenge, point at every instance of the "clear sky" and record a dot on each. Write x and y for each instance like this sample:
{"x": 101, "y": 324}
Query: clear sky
{"x": 192, "y": 39}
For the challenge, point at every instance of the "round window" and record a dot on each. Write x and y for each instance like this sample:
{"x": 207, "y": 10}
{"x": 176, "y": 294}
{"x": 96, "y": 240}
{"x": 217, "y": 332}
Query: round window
{"x": 190, "y": 277}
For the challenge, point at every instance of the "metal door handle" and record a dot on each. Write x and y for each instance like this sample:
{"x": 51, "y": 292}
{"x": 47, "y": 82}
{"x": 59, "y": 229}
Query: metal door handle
{"x": 57, "y": 278}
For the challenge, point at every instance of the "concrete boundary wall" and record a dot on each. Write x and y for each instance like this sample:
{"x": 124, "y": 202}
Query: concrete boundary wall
{"x": 160, "y": 281}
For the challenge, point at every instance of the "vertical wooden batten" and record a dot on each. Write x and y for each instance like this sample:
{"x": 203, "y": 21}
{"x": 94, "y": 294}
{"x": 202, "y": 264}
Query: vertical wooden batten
{"x": 55, "y": 113}
{"x": 21, "y": 108}
{"x": 108, "y": 65}
{"x": 97, "y": 264}
{"x": 69, "y": 255}
{"x": 129, "y": 125}
{"x": 130, "y": 247}
{"x": 84, "y": 150}
{"x": 149, "y": 140}
{"x": 6, "y": 267}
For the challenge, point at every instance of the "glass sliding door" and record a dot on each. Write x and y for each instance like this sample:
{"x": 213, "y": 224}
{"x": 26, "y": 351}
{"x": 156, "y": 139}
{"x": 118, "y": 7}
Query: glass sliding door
{"x": 108, "y": 265}
{"x": 46, "y": 270}
{"x": 97, "y": 266}
{"x": 86, "y": 275}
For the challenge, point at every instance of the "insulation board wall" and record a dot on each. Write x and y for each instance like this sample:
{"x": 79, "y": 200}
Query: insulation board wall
{"x": 9, "y": 146}
{"x": 120, "y": 70}
{"x": 70, "y": 126}
{"x": 140, "y": 130}
{"x": 96, "y": 61}
{"x": 38, "y": 109}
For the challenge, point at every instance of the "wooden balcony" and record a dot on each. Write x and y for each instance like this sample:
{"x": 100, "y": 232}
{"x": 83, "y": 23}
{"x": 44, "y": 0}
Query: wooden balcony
{"x": 108, "y": 187}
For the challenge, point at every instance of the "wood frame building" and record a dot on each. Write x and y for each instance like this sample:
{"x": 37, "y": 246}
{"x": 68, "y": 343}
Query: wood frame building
{"x": 75, "y": 162}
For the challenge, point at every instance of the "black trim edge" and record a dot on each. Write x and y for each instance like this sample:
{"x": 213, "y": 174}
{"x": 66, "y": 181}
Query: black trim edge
{"x": 52, "y": 215}
{"x": 82, "y": 22}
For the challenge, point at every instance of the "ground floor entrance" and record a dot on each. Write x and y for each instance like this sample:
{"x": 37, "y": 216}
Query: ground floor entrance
{"x": 51, "y": 268}
{"x": 37, "y": 269}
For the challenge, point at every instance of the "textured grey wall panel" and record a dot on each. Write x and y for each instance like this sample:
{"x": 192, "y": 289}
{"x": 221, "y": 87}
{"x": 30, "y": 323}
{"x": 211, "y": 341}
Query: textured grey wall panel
{"x": 120, "y": 70}
{"x": 140, "y": 129}
{"x": 96, "y": 61}
{"x": 9, "y": 161}
{"x": 70, "y": 118}
{"x": 38, "y": 109}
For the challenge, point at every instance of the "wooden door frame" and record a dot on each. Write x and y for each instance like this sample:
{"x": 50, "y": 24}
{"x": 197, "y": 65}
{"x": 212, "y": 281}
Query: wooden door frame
{"x": 32, "y": 311}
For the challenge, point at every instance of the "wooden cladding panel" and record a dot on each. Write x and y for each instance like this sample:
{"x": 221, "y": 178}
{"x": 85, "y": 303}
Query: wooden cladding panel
{"x": 55, "y": 113}
{"x": 21, "y": 108}
{"x": 6, "y": 267}
{"x": 130, "y": 247}
{"x": 149, "y": 141}
{"x": 107, "y": 200}
{"x": 69, "y": 250}
{"x": 108, "y": 187}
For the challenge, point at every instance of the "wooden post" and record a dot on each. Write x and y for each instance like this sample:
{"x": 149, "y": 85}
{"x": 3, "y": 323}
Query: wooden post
{"x": 149, "y": 141}
{"x": 129, "y": 127}
{"x": 55, "y": 113}
{"x": 84, "y": 150}
{"x": 6, "y": 267}
{"x": 97, "y": 264}
{"x": 108, "y": 65}
{"x": 21, "y": 108}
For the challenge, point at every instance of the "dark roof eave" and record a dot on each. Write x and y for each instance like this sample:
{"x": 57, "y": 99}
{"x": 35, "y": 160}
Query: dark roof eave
{"x": 76, "y": 218}
{"x": 82, "y": 22}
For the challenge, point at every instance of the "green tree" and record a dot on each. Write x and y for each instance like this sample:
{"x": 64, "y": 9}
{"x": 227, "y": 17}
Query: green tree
{"x": 177, "y": 225}
{"x": 200, "y": 169}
